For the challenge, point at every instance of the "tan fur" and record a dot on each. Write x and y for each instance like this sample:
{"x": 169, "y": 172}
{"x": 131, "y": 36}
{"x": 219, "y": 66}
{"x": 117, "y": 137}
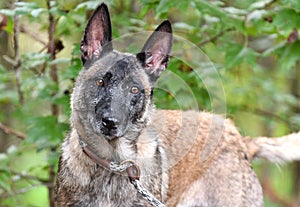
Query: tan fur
{"x": 197, "y": 144}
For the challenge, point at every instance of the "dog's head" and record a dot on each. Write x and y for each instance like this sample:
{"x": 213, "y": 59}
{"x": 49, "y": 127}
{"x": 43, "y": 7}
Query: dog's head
{"x": 113, "y": 93}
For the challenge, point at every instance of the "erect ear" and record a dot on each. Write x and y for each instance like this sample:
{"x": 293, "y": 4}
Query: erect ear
{"x": 97, "y": 35}
{"x": 155, "y": 53}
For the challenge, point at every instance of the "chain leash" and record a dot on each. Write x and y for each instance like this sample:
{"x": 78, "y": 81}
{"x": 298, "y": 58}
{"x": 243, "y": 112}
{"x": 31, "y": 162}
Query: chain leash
{"x": 131, "y": 169}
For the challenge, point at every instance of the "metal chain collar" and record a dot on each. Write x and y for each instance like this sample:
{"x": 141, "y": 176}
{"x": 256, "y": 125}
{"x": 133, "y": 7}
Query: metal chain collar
{"x": 129, "y": 166}
{"x": 115, "y": 167}
{"x": 146, "y": 194}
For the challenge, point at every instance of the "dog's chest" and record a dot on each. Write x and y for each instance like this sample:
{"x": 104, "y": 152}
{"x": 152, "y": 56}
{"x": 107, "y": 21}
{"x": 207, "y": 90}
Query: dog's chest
{"x": 110, "y": 189}
{"x": 84, "y": 183}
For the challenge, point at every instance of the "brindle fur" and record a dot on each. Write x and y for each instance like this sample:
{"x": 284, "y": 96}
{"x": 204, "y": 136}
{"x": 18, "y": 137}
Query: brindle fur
{"x": 186, "y": 158}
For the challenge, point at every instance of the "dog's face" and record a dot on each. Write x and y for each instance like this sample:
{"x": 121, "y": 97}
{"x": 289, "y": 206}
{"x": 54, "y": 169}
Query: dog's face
{"x": 113, "y": 92}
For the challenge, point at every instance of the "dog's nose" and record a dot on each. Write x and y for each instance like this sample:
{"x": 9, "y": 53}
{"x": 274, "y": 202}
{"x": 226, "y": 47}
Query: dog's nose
{"x": 110, "y": 123}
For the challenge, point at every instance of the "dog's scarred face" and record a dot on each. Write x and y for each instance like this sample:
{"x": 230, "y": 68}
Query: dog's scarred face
{"x": 115, "y": 95}
{"x": 119, "y": 98}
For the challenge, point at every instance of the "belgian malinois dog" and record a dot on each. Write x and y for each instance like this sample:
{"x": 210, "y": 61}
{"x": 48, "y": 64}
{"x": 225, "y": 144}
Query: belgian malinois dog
{"x": 181, "y": 158}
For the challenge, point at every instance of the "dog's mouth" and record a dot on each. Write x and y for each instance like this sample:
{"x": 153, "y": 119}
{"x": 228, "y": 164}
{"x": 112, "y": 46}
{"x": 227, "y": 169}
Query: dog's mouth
{"x": 111, "y": 133}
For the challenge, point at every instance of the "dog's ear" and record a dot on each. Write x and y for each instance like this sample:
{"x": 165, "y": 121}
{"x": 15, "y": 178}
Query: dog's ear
{"x": 155, "y": 53}
{"x": 97, "y": 36}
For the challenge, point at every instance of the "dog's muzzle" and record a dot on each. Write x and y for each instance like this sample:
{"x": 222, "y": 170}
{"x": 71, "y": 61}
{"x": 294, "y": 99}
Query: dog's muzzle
{"x": 110, "y": 123}
{"x": 111, "y": 127}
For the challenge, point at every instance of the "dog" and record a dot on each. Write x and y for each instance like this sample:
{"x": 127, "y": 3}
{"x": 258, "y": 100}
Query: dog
{"x": 182, "y": 158}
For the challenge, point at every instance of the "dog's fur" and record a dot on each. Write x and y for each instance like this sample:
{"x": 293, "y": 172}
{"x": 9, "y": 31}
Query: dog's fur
{"x": 186, "y": 158}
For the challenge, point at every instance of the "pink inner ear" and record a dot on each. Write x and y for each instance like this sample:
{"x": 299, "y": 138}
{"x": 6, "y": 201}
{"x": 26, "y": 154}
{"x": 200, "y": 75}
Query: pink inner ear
{"x": 97, "y": 35}
{"x": 154, "y": 63}
{"x": 96, "y": 48}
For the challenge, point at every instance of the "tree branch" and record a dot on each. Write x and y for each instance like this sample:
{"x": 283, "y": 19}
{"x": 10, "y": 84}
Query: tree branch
{"x": 10, "y": 131}
{"x": 265, "y": 113}
{"x": 32, "y": 35}
{"x": 54, "y": 107}
{"x": 17, "y": 66}
{"x": 23, "y": 190}
{"x": 272, "y": 115}
{"x": 214, "y": 38}
{"x": 27, "y": 177}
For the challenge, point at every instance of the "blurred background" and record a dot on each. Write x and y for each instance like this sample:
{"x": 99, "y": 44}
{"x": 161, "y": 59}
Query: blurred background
{"x": 254, "y": 46}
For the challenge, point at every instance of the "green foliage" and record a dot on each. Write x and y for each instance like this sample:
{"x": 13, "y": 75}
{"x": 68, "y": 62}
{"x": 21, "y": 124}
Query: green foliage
{"x": 253, "y": 45}
{"x": 45, "y": 132}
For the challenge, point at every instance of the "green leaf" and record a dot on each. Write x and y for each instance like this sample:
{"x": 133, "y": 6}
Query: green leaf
{"x": 3, "y": 156}
{"x": 42, "y": 87}
{"x": 36, "y": 12}
{"x": 32, "y": 60}
{"x": 226, "y": 17}
{"x": 10, "y": 25}
{"x": 73, "y": 70}
{"x": 259, "y": 4}
{"x": 45, "y": 131}
{"x": 63, "y": 100}
{"x": 53, "y": 157}
{"x": 5, "y": 180}
{"x": 289, "y": 55}
{"x": 292, "y": 4}
{"x": 8, "y": 12}
{"x": 57, "y": 12}
{"x": 76, "y": 50}
{"x": 166, "y": 5}
{"x": 27, "y": 5}
{"x": 144, "y": 10}
{"x": 237, "y": 54}
{"x": 184, "y": 26}
{"x": 59, "y": 61}
{"x": 12, "y": 149}
{"x": 87, "y": 5}
{"x": 207, "y": 7}
{"x": 25, "y": 8}
{"x": 287, "y": 20}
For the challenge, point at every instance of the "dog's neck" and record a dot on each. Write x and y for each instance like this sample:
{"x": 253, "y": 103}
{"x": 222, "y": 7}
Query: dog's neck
{"x": 133, "y": 171}
{"x": 116, "y": 150}
{"x": 139, "y": 145}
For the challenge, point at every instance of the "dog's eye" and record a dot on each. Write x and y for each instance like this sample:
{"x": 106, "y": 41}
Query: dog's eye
{"x": 134, "y": 90}
{"x": 99, "y": 82}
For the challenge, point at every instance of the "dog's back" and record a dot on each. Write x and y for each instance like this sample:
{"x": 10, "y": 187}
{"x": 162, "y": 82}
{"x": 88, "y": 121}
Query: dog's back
{"x": 208, "y": 161}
